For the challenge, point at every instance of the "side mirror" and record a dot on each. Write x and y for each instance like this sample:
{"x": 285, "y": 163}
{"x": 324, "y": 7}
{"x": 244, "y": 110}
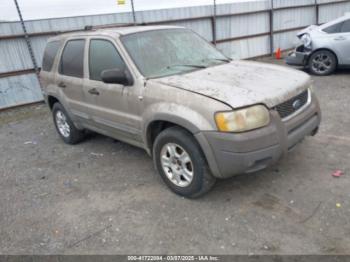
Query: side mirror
{"x": 116, "y": 76}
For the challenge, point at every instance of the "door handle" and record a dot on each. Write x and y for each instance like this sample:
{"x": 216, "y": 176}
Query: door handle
{"x": 94, "y": 91}
{"x": 61, "y": 84}
{"x": 340, "y": 38}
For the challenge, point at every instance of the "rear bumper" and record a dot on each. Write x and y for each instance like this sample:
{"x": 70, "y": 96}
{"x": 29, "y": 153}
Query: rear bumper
{"x": 230, "y": 154}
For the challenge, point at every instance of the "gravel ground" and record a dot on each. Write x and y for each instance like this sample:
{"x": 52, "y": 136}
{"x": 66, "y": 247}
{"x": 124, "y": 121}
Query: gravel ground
{"x": 104, "y": 197}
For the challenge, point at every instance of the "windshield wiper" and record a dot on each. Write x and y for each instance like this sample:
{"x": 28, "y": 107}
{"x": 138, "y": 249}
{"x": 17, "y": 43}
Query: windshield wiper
{"x": 179, "y": 65}
{"x": 187, "y": 65}
{"x": 219, "y": 59}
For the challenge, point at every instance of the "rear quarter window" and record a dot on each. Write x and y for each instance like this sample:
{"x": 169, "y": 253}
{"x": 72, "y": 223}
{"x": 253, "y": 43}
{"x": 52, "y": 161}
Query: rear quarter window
{"x": 346, "y": 27}
{"x": 72, "y": 59}
{"x": 333, "y": 29}
{"x": 49, "y": 55}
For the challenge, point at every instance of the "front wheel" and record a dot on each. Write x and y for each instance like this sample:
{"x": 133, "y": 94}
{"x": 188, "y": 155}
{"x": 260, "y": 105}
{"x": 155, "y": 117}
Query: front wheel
{"x": 180, "y": 162}
{"x": 322, "y": 63}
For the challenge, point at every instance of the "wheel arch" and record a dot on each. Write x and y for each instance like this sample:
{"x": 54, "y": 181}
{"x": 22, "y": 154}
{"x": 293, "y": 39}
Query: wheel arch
{"x": 51, "y": 100}
{"x": 155, "y": 126}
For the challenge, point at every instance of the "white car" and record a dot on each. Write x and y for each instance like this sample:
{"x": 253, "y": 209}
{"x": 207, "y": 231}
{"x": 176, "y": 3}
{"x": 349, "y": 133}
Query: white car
{"x": 324, "y": 48}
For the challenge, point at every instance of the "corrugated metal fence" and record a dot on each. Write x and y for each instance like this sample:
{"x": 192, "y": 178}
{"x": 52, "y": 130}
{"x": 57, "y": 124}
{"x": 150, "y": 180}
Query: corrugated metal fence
{"x": 240, "y": 30}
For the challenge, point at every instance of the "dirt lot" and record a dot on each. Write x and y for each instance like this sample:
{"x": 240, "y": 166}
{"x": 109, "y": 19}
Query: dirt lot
{"x": 104, "y": 197}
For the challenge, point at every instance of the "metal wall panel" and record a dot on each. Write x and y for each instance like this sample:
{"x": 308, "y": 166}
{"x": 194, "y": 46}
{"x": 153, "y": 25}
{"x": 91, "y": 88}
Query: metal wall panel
{"x": 174, "y": 13}
{"x": 16, "y": 90}
{"x": 243, "y": 6}
{"x": 286, "y": 40}
{"x": 202, "y": 27}
{"x": 61, "y": 24}
{"x": 14, "y": 55}
{"x": 291, "y": 18}
{"x": 330, "y": 12}
{"x": 246, "y": 48}
{"x": 328, "y": 1}
{"x": 284, "y": 3}
{"x": 228, "y": 27}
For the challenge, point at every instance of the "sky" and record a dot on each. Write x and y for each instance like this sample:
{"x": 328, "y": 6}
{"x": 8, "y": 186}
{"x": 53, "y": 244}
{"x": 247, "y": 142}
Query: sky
{"x": 38, "y": 9}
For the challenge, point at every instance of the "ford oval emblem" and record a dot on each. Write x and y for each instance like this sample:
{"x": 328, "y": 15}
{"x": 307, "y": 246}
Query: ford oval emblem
{"x": 297, "y": 104}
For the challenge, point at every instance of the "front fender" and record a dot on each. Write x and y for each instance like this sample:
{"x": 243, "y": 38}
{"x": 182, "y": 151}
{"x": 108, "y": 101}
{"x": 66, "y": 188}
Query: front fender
{"x": 176, "y": 114}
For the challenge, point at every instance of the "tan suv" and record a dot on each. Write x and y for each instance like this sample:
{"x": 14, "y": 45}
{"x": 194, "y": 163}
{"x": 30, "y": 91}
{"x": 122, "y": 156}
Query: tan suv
{"x": 165, "y": 89}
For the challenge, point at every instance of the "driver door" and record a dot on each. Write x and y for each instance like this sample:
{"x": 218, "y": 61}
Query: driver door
{"x": 110, "y": 108}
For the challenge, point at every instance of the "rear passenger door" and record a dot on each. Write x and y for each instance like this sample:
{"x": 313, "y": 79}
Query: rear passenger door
{"x": 70, "y": 77}
{"x": 113, "y": 106}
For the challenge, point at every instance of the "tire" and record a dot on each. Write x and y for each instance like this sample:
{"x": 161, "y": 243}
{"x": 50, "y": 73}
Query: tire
{"x": 64, "y": 125}
{"x": 181, "y": 142}
{"x": 322, "y": 63}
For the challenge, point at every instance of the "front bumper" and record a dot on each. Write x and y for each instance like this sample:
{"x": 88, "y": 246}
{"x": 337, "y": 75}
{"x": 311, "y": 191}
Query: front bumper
{"x": 229, "y": 154}
{"x": 297, "y": 58}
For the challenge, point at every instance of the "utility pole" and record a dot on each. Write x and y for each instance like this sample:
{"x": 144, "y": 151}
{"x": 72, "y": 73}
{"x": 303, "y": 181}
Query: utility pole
{"x": 214, "y": 23}
{"x": 317, "y": 13}
{"x": 271, "y": 29}
{"x": 133, "y": 11}
{"x": 27, "y": 39}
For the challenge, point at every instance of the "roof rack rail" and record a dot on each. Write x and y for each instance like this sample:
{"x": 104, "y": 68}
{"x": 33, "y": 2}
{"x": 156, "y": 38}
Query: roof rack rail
{"x": 95, "y": 27}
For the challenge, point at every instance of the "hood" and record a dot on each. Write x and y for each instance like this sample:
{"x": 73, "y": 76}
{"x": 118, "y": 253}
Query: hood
{"x": 307, "y": 30}
{"x": 242, "y": 83}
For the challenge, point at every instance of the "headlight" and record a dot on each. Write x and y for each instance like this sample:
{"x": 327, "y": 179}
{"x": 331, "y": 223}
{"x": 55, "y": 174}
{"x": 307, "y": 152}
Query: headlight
{"x": 243, "y": 119}
{"x": 306, "y": 40}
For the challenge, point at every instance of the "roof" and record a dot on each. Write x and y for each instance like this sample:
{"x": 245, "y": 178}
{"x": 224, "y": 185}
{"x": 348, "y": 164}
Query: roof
{"x": 135, "y": 29}
{"x": 115, "y": 31}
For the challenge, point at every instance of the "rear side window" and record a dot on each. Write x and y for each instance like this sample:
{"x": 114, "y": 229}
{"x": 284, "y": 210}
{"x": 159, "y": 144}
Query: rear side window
{"x": 333, "y": 29}
{"x": 346, "y": 27}
{"x": 49, "y": 55}
{"x": 103, "y": 55}
{"x": 72, "y": 60}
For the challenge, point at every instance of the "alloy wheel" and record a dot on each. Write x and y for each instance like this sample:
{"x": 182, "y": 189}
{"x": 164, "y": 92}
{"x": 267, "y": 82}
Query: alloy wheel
{"x": 177, "y": 164}
{"x": 322, "y": 63}
{"x": 62, "y": 124}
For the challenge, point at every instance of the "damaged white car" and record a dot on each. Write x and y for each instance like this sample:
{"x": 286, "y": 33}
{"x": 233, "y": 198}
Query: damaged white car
{"x": 324, "y": 48}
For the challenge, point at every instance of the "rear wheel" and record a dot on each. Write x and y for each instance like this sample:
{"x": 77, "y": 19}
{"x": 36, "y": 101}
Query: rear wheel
{"x": 322, "y": 63}
{"x": 64, "y": 125}
{"x": 181, "y": 163}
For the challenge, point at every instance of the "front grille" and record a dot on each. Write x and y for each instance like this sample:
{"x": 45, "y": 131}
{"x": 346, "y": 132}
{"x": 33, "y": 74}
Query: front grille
{"x": 292, "y": 105}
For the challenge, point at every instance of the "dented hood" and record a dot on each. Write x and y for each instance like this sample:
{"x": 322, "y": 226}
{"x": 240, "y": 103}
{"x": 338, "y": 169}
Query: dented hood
{"x": 242, "y": 83}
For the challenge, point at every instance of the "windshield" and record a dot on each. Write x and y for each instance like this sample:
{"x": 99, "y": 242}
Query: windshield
{"x": 167, "y": 52}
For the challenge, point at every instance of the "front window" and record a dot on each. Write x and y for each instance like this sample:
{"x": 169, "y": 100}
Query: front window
{"x": 172, "y": 51}
{"x": 103, "y": 55}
